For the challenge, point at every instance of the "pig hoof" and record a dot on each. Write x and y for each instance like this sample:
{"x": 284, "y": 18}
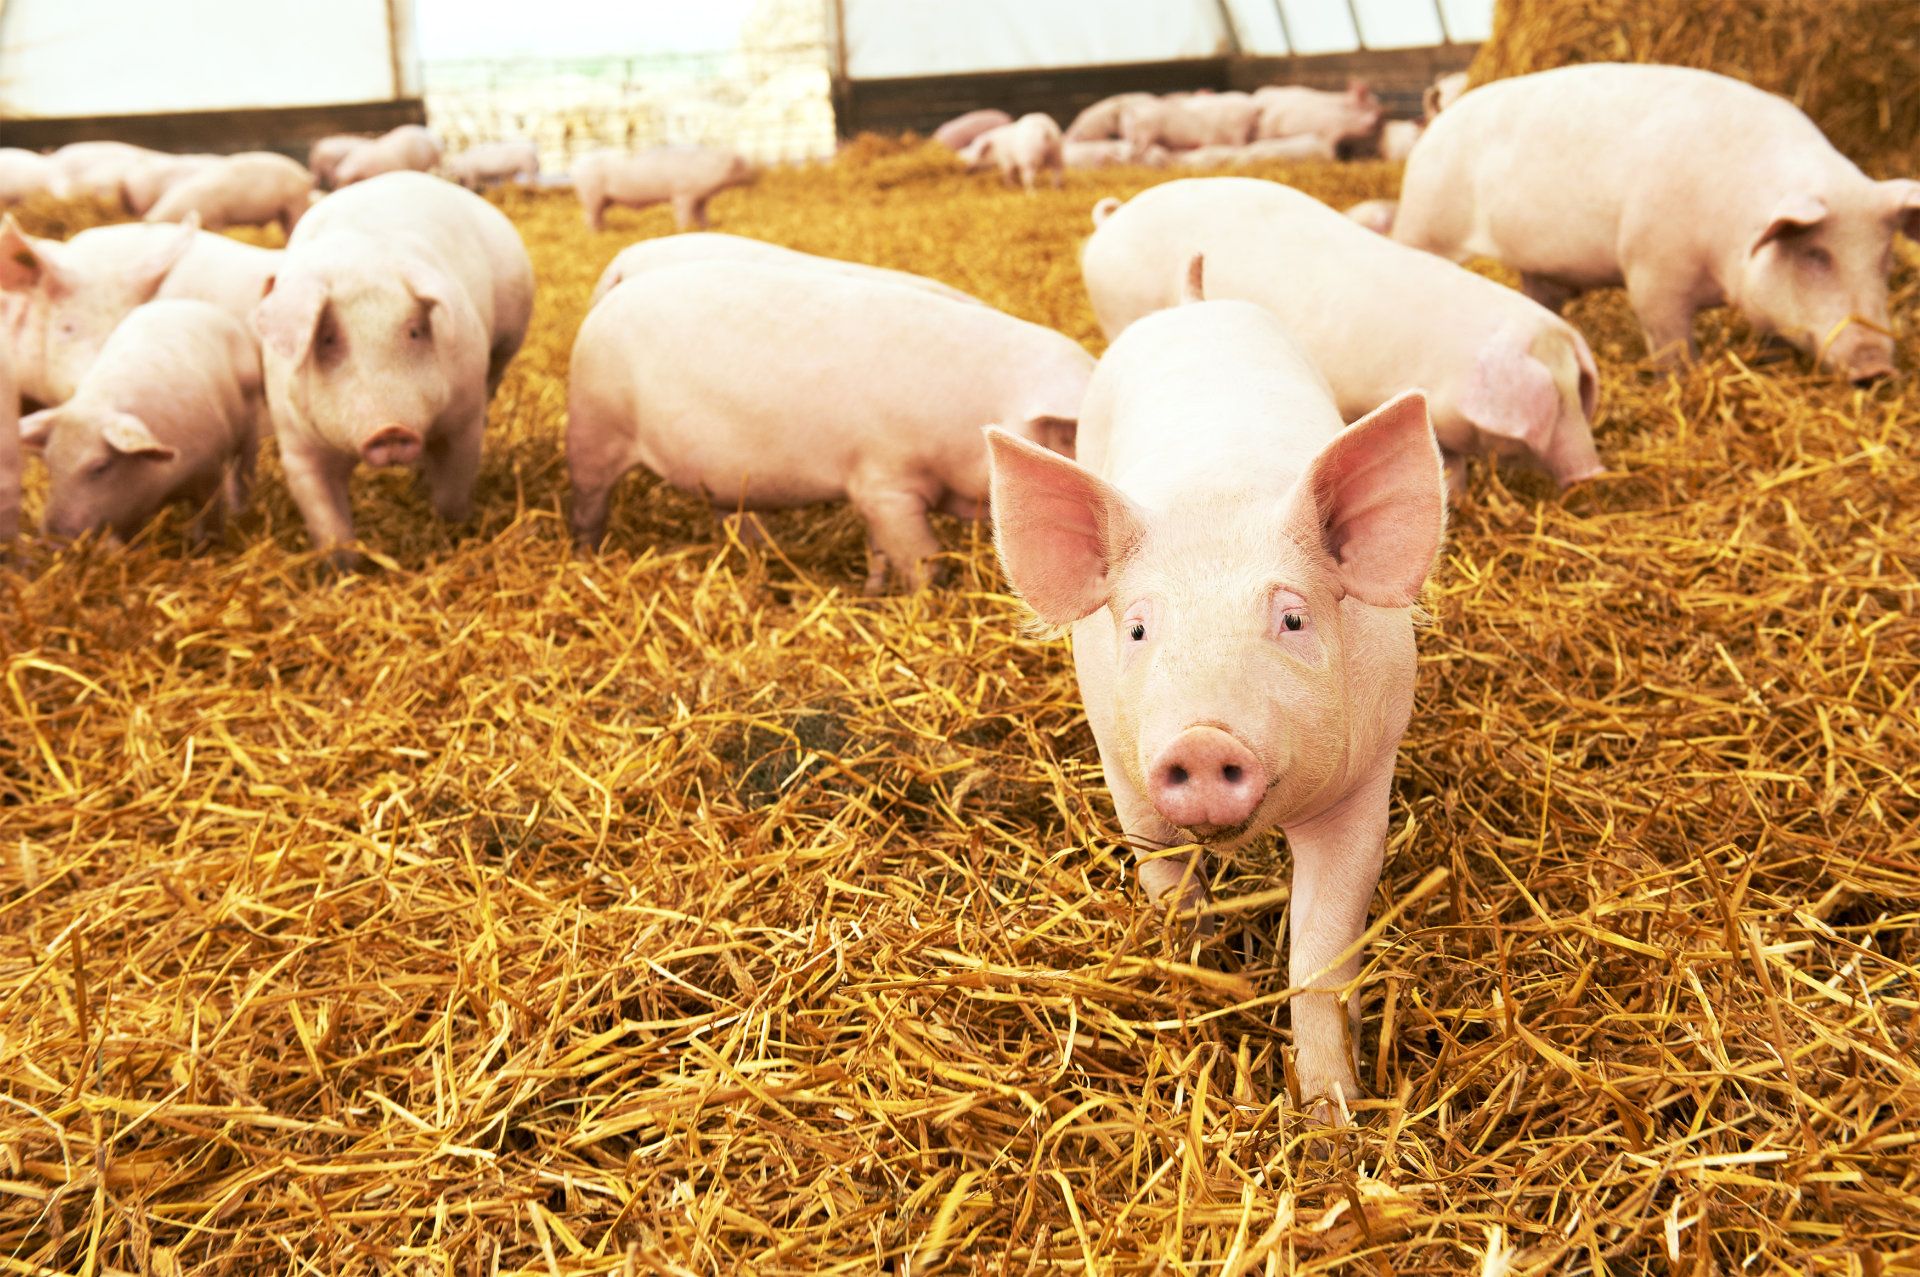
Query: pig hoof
{"x": 1325, "y": 1098}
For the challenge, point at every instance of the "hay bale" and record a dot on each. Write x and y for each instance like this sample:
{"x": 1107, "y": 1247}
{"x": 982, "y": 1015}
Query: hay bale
{"x": 1847, "y": 63}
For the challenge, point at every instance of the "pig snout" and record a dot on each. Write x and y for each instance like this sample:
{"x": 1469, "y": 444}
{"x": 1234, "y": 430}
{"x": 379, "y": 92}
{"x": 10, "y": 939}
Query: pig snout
{"x": 1865, "y": 362}
{"x": 1206, "y": 782}
{"x": 391, "y": 446}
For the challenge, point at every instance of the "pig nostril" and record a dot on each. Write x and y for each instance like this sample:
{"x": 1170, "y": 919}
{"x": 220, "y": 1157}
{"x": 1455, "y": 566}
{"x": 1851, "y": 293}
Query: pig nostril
{"x": 1231, "y": 774}
{"x": 1866, "y": 379}
{"x": 1177, "y": 774}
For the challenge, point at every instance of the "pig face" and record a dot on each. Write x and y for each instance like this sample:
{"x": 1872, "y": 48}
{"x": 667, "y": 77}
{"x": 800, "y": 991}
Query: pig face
{"x": 367, "y": 354}
{"x": 106, "y": 470}
{"x": 1240, "y": 678}
{"x": 65, "y": 306}
{"x": 1817, "y": 275}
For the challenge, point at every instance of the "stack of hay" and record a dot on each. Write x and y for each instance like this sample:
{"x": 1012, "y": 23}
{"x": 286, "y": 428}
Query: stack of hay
{"x": 1850, "y": 64}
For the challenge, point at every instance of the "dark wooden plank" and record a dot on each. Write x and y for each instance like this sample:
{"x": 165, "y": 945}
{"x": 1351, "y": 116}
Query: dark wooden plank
{"x": 290, "y": 130}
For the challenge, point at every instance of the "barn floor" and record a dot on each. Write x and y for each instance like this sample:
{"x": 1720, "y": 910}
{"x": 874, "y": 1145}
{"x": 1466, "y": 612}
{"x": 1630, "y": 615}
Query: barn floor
{"x": 681, "y": 911}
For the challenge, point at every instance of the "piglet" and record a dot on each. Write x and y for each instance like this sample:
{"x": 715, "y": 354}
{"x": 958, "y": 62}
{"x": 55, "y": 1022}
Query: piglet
{"x": 167, "y": 414}
{"x": 958, "y": 133}
{"x": 684, "y": 176}
{"x": 701, "y": 246}
{"x": 1023, "y": 150}
{"x": 396, "y": 308}
{"x": 1287, "y": 110}
{"x": 249, "y": 189}
{"x": 326, "y": 154}
{"x": 1692, "y": 189}
{"x": 406, "y": 147}
{"x": 1503, "y": 374}
{"x": 1238, "y": 568}
{"x": 97, "y": 170}
{"x": 764, "y": 386}
{"x": 149, "y": 177}
{"x": 485, "y": 163}
{"x": 63, "y": 299}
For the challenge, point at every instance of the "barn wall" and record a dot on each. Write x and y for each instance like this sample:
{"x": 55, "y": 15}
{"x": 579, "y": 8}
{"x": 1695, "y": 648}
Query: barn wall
{"x": 886, "y": 39}
{"x": 83, "y": 58}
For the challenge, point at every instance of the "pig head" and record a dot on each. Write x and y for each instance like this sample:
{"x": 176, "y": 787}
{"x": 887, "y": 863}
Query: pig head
{"x": 106, "y": 470}
{"x": 1532, "y": 392}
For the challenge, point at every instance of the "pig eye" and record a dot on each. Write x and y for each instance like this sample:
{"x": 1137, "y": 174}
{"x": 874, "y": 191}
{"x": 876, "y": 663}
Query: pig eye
{"x": 1818, "y": 258}
{"x": 1289, "y": 614}
{"x": 417, "y": 330}
{"x": 1137, "y": 631}
{"x": 1293, "y": 622}
{"x": 1135, "y": 623}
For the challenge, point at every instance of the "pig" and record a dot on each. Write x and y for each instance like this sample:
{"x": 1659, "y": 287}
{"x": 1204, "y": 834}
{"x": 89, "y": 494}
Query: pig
{"x": 1109, "y": 152}
{"x": 1304, "y": 146}
{"x": 407, "y": 146}
{"x": 1443, "y": 93}
{"x": 60, "y": 301}
{"x": 1238, "y": 569}
{"x": 325, "y": 155}
{"x": 671, "y": 250}
{"x": 97, "y": 170}
{"x": 1023, "y": 150}
{"x": 1691, "y": 188}
{"x": 25, "y": 174}
{"x": 1503, "y": 375}
{"x": 1347, "y": 118}
{"x": 1397, "y": 138}
{"x": 1185, "y": 121}
{"x": 9, "y": 451}
{"x": 148, "y": 178}
{"x": 1102, "y": 119}
{"x": 766, "y": 386}
{"x": 684, "y": 176}
{"x": 1375, "y": 215}
{"x": 249, "y": 189}
{"x": 167, "y": 414}
{"x": 958, "y": 133}
{"x": 396, "y": 308}
{"x": 487, "y": 162}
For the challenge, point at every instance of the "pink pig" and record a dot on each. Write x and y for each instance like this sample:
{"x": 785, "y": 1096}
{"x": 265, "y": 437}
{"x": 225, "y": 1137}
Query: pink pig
{"x": 1238, "y": 568}
{"x": 167, "y": 414}
{"x": 485, "y": 163}
{"x": 397, "y": 306}
{"x": 1111, "y": 152}
{"x": 958, "y": 133}
{"x": 1503, "y": 375}
{"x": 404, "y": 147}
{"x": 1692, "y": 189}
{"x": 25, "y": 174}
{"x": 249, "y": 189}
{"x": 701, "y": 246}
{"x": 149, "y": 177}
{"x": 768, "y": 386}
{"x": 1304, "y": 146}
{"x": 684, "y": 176}
{"x": 60, "y": 301}
{"x": 1023, "y": 150}
{"x": 98, "y": 170}
{"x": 326, "y": 154}
{"x": 1288, "y": 110}
{"x": 1102, "y": 119}
{"x": 1184, "y": 121}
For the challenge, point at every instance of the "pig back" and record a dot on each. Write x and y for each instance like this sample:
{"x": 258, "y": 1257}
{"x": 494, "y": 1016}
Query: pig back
{"x": 183, "y": 367}
{"x": 788, "y": 379}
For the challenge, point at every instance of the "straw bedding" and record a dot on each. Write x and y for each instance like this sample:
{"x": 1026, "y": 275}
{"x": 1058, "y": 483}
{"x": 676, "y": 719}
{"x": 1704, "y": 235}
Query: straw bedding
{"x": 678, "y": 910}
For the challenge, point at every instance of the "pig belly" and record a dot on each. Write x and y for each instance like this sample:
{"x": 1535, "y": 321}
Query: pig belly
{"x": 745, "y": 459}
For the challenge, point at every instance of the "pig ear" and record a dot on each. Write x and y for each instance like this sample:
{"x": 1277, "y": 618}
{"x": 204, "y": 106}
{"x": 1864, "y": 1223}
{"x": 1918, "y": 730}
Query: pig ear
{"x": 128, "y": 435}
{"x": 1509, "y": 392}
{"x": 1794, "y": 213}
{"x": 287, "y": 316}
{"x": 1060, "y": 529}
{"x": 1905, "y": 193}
{"x": 25, "y": 264}
{"x": 429, "y": 285}
{"x": 1376, "y": 498}
{"x": 153, "y": 272}
{"x": 1055, "y": 434}
{"x": 35, "y": 427}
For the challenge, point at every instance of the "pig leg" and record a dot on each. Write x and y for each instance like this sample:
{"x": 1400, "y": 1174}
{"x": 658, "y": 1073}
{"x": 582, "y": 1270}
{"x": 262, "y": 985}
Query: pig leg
{"x": 896, "y": 518}
{"x": 1550, "y": 293}
{"x": 593, "y": 207}
{"x": 317, "y": 479}
{"x": 1336, "y": 865}
{"x": 451, "y": 467}
{"x": 599, "y": 453}
{"x": 1665, "y": 314}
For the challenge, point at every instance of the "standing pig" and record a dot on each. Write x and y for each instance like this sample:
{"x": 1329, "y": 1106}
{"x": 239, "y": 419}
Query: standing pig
{"x": 1502, "y": 374}
{"x": 1692, "y": 189}
{"x": 1239, "y": 568}
{"x": 958, "y": 133}
{"x": 1289, "y": 110}
{"x": 1023, "y": 150}
{"x": 684, "y": 176}
{"x": 325, "y": 155}
{"x": 167, "y": 414}
{"x": 9, "y": 451}
{"x": 398, "y": 304}
{"x": 250, "y": 189}
{"x": 25, "y": 174}
{"x": 65, "y": 299}
{"x": 485, "y": 163}
{"x": 148, "y": 178}
{"x": 703, "y": 246}
{"x": 768, "y": 386}
{"x": 398, "y": 150}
